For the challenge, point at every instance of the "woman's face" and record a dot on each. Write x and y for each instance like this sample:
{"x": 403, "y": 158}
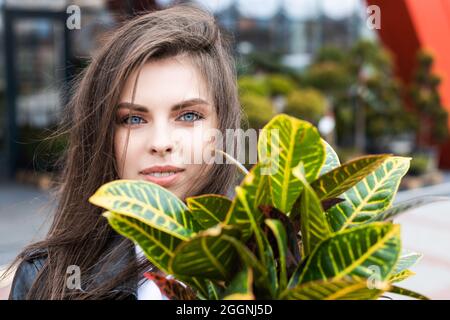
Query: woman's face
{"x": 166, "y": 127}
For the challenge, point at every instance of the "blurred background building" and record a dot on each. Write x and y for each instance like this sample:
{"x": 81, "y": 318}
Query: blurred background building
{"x": 315, "y": 59}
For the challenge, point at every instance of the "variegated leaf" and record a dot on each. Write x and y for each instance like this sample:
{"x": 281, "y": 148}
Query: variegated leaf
{"x": 157, "y": 246}
{"x": 347, "y": 288}
{"x": 207, "y": 255}
{"x": 203, "y": 286}
{"x": 284, "y": 143}
{"x": 252, "y": 192}
{"x": 147, "y": 202}
{"x": 314, "y": 225}
{"x": 408, "y": 293}
{"x": 371, "y": 196}
{"x": 293, "y": 252}
{"x": 405, "y": 206}
{"x": 214, "y": 290}
{"x": 353, "y": 252}
{"x": 340, "y": 179}
{"x": 407, "y": 259}
{"x": 331, "y": 159}
{"x": 279, "y": 232}
{"x": 402, "y": 275}
{"x": 264, "y": 269}
{"x": 240, "y": 288}
{"x": 209, "y": 209}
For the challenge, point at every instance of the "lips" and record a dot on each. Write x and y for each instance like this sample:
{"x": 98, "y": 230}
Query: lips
{"x": 164, "y": 176}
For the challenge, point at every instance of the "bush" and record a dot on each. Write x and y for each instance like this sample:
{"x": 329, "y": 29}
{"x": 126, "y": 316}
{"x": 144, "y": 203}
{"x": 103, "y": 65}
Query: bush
{"x": 249, "y": 84}
{"x": 258, "y": 110}
{"x": 426, "y": 99}
{"x": 308, "y": 104}
{"x": 331, "y": 54}
{"x": 328, "y": 76}
{"x": 280, "y": 84}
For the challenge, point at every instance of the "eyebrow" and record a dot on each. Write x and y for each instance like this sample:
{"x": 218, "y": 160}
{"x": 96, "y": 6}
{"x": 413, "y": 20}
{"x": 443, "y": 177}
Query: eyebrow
{"x": 177, "y": 106}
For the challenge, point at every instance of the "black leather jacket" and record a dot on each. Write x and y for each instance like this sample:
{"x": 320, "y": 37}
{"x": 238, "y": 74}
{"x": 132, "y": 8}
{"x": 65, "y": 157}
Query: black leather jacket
{"x": 28, "y": 269}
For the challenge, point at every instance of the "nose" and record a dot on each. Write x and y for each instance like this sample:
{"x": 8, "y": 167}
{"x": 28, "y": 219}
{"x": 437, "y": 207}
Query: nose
{"x": 160, "y": 142}
{"x": 161, "y": 150}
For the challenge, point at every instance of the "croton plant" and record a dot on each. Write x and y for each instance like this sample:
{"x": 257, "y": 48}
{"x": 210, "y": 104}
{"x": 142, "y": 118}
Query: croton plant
{"x": 310, "y": 229}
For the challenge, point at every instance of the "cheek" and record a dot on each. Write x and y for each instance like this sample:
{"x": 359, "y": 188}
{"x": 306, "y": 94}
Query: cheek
{"x": 202, "y": 145}
{"x": 124, "y": 152}
{"x": 119, "y": 145}
{"x": 119, "y": 148}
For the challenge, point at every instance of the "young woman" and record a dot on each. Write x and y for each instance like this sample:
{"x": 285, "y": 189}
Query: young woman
{"x": 163, "y": 72}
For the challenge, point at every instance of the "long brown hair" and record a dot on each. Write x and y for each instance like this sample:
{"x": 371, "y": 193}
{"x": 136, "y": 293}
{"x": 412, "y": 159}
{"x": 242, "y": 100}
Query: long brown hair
{"x": 79, "y": 234}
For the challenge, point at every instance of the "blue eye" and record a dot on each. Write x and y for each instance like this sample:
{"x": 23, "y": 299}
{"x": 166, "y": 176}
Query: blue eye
{"x": 133, "y": 120}
{"x": 190, "y": 117}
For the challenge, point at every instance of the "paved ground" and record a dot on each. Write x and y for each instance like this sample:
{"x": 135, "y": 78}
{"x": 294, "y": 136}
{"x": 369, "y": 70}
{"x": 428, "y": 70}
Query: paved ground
{"x": 24, "y": 213}
{"x": 427, "y": 230}
{"x": 24, "y": 218}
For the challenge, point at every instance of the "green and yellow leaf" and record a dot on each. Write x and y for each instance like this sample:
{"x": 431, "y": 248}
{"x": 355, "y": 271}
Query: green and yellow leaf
{"x": 284, "y": 143}
{"x": 264, "y": 273}
{"x": 209, "y": 210}
{"x": 157, "y": 246}
{"x": 405, "y": 206}
{"x": 314, "y": 225}
{"x": 207, "y": 255}
{"x": 244, "y": 211}
{"x": 279, "y": 233}
{"x": 371, "y": 196}
{"x": 347, "y": 288}
{"x": 407, "y": 259}
{"x": 331, "y": 159}
{"x": 148, "y": 203}
{"x": 408, "y": 293}
{"x": 240, "y": 288}
{"x": 402, "y": 275}
{"x": 340, "y": 179}
{"x": 354, "y": 252}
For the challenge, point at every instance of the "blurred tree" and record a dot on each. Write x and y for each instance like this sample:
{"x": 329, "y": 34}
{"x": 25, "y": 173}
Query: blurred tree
{"x": 331, "y": 54}
{"x": 257, "y": 109}
{"x": 308, "y": 104}
{"x": 365, "y": 93}
{"x": 280, "y": 84}
{"x": 427, "y": 102}
{"x": 253, "y": 85}
{"x": 357, "y": 86}
{"x": 330, "y": 77}
{"x": 383, "y": 101}
{"x": 329, "y": 74}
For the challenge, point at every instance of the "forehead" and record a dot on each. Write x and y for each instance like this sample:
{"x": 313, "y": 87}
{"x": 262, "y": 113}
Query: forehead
{"x": 165, "y": 82}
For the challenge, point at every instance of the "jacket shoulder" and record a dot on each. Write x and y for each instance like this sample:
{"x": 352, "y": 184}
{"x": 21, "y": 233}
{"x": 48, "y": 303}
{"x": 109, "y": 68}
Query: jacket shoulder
{"x": 26, "y": 273}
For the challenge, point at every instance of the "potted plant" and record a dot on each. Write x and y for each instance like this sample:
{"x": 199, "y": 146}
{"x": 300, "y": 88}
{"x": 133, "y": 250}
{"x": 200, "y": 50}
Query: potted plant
{"x": 301, "y": 225}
